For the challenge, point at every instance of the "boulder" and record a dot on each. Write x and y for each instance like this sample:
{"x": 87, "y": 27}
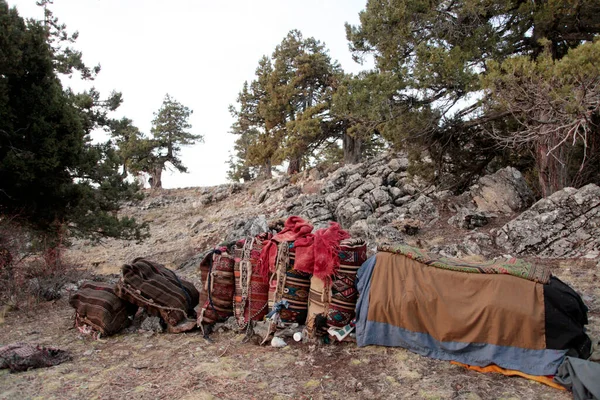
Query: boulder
{"x": 504, "y": 191}
{"x": 351, "y": 209}
{"x": 422, "y": 209}
{"x": 248, "y": 227}
{"x": 565, "y": 224}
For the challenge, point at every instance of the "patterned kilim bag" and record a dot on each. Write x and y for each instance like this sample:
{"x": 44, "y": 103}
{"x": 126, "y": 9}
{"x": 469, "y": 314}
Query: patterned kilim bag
{"x": 218, "y": 282}
{"x": 97, "y": 305}
{"x": 160, "y": 291}
{"x": 251, "y": 291}
{"x": 286, "y": 283}
{"x": 336, "y": 299}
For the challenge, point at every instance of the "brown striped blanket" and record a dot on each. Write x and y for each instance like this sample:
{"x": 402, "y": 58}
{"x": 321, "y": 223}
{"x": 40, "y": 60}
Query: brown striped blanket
{"x": 159, "y": 290}
{"x": 218, "y": 286}
{"x": 510, "y": 266}
{"x": 97, "y": 305}
{"x": 251, "y": 290}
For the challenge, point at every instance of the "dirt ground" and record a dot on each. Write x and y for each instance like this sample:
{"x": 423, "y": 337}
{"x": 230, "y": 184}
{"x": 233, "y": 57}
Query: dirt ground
{"x": 142, "y": 365}
{"x": 186, "y": 366}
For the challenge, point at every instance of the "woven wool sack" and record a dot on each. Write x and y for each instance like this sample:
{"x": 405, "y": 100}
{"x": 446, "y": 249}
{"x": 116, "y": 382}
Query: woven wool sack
{"x": 159, "y": 290}
{"x": 251, "y": 291}
{"x": 97, "y": 305}
{"x": 336, "y": 299}
{"x": 286, "y": 283}
{"x": 216, "y": 270}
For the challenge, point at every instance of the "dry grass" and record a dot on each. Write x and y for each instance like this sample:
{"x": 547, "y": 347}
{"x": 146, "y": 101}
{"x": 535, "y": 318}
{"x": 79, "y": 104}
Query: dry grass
{"x": 139, "y": 366}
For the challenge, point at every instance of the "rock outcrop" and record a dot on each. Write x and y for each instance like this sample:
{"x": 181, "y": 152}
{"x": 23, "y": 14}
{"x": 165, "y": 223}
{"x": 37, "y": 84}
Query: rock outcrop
{"x": 504, "y": 191}
{"x": 565, "y": 224}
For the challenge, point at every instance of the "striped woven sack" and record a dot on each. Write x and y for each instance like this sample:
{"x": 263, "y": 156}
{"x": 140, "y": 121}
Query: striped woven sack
{"x": 286, "y": 283}
{"x": 159, "y": 290}
{"x": 336, "y": 300}
{"x": 97, "y": 305}
{"x": 251, "y": 291}
{"x": 218, "y": 283}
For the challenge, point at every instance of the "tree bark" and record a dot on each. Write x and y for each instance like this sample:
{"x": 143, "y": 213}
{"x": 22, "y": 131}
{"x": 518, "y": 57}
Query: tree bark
{"x": 265, "y": 172}
{"x": 352, "y": 149}
{"x": 552, "y": 171}
{"x": 294, "y": 166}
{"x": 156, "y": 177}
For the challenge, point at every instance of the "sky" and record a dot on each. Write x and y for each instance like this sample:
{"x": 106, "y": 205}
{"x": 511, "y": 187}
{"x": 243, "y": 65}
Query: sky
{"x": 198, "y": 51}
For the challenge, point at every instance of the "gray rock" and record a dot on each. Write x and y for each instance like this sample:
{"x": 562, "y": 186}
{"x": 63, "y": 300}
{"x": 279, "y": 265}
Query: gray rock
{"x": 350, "y": 210}
{"x": 378, "y": 197}
{"x": 363, "y": 189}
{"x": 152, "y": 324}
{"x": 565, "y": 224}
{"x": 504, "y": 191}
{"x": 398, "y": 164}
{"x": 312, "y": 208}
{"x": 400, "y": 201}
{"x": 468, "y": 219}
{"x": 248, "y": 227}
{"x": 422, "y": 209}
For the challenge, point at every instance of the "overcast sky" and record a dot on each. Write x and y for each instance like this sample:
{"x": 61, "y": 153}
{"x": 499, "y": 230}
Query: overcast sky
{"x": 200, "y": 52}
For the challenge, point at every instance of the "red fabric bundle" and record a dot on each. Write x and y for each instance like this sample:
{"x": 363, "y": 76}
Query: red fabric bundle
{"x": 315, "y": 253}
{"x": 295, "y": 229}
{"x": 326, "y": 250}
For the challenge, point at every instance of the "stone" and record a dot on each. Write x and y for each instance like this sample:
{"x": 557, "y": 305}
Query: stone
{"x": 565, "y": 224}
{"x": 422, "y": 209}
{"x": 350, "y": 210}
{"x": 248, "y": 227}
{"x": 377, "y": 198}
{"x": 262, "y": 196}
{"x": 504, "y": 191}
{"x": 468, "y": 219}
{"x": 398, "y": 164}
{"x": 152, "y": 324}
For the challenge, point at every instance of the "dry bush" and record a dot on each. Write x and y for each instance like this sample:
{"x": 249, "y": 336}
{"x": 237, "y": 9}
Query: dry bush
{"x": 29, "y": 275}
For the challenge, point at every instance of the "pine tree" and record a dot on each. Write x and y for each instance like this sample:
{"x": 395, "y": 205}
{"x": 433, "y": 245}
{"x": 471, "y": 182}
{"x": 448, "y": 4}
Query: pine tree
{"x": 169, "y": 132}
{"x": 284, "y": 115}
{"x": 437, "y": 51}
{"x": 51, "y": 175}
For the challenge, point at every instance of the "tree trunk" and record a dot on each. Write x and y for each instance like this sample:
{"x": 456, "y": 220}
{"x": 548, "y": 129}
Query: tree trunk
{"x": 245, "y": 175}
{"x": 156, "y": 177}
{"x": 294, "y": 166}
{"x": 265, "y": 172}
{"x": 552, "y": 171}
{"x": 352, "y": 149}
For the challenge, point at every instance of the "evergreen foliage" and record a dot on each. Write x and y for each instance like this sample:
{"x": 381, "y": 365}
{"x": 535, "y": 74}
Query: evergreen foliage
{"x": 170, "y": 131}
{"x": 284, "y": 114}
{"x": 51, "y": 174}
{"x": 432, "y": 55}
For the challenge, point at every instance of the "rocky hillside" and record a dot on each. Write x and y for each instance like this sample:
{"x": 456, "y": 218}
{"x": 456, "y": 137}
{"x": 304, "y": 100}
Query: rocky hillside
{"x": 376, "y": 200}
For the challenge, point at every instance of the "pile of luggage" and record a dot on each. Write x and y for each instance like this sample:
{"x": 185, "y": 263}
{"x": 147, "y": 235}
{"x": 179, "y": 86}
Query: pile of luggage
{"x": 104, "y": 309}
{"x": 295, "y": 277}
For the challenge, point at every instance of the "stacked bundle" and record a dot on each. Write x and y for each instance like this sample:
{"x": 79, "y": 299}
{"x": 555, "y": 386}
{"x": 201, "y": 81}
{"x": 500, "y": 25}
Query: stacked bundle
{"x": 216, "y": 271}
{"x": 97, "y": 306}
{"x": 289, "y": 284}
{"x": 251, "y": 291}
{"x": 158, "y": 289}
{"x": 289, "y": 260}
{"x": 334, "y": 298}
